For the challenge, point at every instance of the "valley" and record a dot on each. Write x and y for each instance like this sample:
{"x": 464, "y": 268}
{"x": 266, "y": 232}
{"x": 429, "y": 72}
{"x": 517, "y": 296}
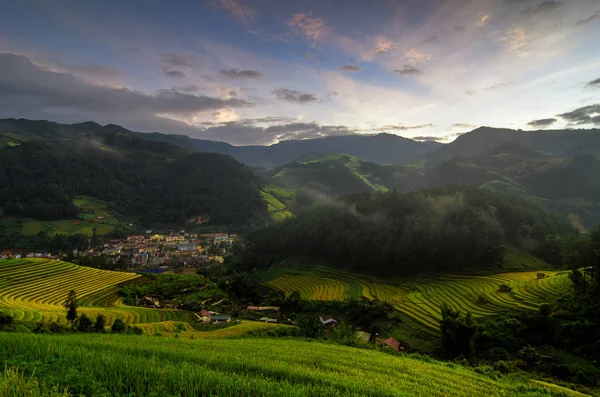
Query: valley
{"x": 311, "y": 245}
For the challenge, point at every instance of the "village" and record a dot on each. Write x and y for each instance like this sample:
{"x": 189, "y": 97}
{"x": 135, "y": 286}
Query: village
{"x": 157, "y": 253}
{"x": 177, "y": 251}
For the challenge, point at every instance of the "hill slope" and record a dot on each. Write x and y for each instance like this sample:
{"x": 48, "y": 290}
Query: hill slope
{"x": 336, "y": 175}
{"x": 125, "y": 365}
{"x": 150, "y": 182}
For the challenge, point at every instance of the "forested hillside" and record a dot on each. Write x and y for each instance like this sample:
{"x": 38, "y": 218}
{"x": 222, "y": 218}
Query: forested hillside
{"x": 335, "y": 175}
{"x": 152, "y": 182}
{"x": 444, "y": 230}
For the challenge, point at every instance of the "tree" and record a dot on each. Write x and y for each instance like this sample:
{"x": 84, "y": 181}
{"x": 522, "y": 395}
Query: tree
{"x": 84, "y": 323}
{"x": 6, "y": 320}
{"x": 458, "y": 334}
{"x": 118, "y": 326}
{"x": 577, "y": 279}
{"x": 100, "y": 324}
{"x": 71, "y": 305}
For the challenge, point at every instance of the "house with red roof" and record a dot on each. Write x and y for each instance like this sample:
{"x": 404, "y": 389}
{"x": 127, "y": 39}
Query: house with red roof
{"x": 391, "y": 342}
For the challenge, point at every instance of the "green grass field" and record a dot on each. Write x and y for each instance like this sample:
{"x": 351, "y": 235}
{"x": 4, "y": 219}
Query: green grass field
{"x": 420, "y": 298}
{"x": 120, "y": 365}
{"x": 82, "y": 225}
{"x": 33, "y": 290}
{"x": 277, "y": 209}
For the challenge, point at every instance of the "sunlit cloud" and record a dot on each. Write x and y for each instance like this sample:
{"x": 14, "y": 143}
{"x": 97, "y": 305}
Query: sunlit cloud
{"x": 516, "y": 39}
{"x": 413, "y": 55}
{"x": 377, "y": 45}
{"x": 313, "y": 29}
{"x": 482, "y": 21}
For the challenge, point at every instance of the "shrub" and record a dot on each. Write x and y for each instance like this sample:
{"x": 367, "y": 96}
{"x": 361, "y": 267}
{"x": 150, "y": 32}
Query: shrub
{"x": 488, "y": 371}
{"x": 84, "y": 323}
{"x": 498, "y": 354}
{"x": 545, "y": 309}
{"x": 561, "y": 371}
{"x": 505, "y": 367}
{"x": 134, "y": 330}
{"x": 100, "y": 324}
{"x": 529, "y": 354}
{"x": 56, "y": 328}
{"x": 6, "y": 321}
{"x": 118, "y": 326}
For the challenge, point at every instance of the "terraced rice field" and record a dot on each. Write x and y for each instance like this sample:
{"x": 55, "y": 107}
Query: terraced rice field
{"x": 420, "y": 298}
{"x": 34, "y": 290}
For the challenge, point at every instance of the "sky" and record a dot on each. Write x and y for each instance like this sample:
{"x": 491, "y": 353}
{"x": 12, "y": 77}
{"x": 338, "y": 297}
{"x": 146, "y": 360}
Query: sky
{"x": 256, "y": 72}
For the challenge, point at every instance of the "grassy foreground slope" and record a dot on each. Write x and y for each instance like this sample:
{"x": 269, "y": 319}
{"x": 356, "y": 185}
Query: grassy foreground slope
{"x": 142, "y": 366}
{"x": 420, "y": 298}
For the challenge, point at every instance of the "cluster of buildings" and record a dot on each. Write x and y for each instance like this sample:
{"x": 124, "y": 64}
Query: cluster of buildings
{"x": 20, "y": 253}
{"x": 164, "y": 251}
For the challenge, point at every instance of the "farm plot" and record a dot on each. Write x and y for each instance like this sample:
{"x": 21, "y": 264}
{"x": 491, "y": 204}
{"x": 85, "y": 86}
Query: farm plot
{"x": 34, "y": 290}
{"x": 420, "y": 298}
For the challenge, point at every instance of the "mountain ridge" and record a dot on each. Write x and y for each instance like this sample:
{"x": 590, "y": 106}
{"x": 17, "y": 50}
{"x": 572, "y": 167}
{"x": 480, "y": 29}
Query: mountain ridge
{"x": 382, "y": 148}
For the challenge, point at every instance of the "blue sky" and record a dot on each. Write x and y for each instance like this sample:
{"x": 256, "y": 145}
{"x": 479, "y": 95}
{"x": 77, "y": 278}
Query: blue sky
{"x": 262, "y": 71}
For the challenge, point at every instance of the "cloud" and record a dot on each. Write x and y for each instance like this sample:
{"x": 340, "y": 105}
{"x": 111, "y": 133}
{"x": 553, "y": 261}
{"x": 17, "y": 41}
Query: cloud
{"x": 594, "y": 83}
{"x": 241, "y": 74}
{"x": 427, "y": 138}
{"x": 470, "y": 92}
{"x": 241, "y": 12}
{"x": 30, "y": 91}
{"x": 584, "y": 115}
{"x": 180, "y": 60}
{"x": 402, "y": 127}
{"x": 294, "y": 96}
{"x": 542, "y": 122}
{"x": 244, "y": 132}
{"x": 175, "y": 73}
{"x": 439, "y": 139}
{"x": 350, "y": 68}
{"x": 589, "y": 19}
{"x": 312, "y": 28}
{"x": 464, "y": 125}
{"x": 542, "y": 8}
{"x": 482, "y": 21}
{"x": 378, "y": 45}
{"x": 432, "y": 40}
{"x": 408, "y": 70}
{"x": 413, "y": 56}
{"x": 516, "y": 39}
{"x": 188, "y": 88}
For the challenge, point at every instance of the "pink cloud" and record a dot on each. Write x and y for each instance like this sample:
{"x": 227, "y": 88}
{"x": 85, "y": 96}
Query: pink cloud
{"x": 312, "y": 28}
{"x": 239, "y": 11}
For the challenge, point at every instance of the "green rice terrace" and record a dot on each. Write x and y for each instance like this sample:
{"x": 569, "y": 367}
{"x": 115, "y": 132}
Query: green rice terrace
{"x": 420, "y": 298}
{"x": 33, "y": 290}
{"x": 120, "y": 365}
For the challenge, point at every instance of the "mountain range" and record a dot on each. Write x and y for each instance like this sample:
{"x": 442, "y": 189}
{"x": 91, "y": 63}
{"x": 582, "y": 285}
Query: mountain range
{"x": 559, "y": 168}
{"x": 382, "y": 148}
